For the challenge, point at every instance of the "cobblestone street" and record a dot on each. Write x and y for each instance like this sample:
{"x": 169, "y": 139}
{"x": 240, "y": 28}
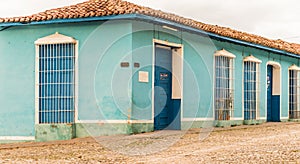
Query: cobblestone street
{"x": 266, "y": 143}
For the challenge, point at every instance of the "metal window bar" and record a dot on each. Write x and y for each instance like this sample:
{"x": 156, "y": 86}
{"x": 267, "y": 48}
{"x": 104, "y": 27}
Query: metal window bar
{"x": 224, "y": 93}
{"x": 56, "y": 83}
{"x": 251, "y": 90}
{"x": 294, "y": 96}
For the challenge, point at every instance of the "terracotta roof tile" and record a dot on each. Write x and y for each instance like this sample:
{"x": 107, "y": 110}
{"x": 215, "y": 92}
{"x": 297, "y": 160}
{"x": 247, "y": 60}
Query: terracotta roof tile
{"x": 97, "y": 8}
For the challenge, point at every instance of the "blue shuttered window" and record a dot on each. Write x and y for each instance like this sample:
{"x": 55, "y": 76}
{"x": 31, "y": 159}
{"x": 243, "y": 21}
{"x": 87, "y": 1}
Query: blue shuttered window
{"x": 223, "y": 87}
{"x": 56, "y": 83}
{"x": 294, "y": 97}
{"x": 251, "y": 90}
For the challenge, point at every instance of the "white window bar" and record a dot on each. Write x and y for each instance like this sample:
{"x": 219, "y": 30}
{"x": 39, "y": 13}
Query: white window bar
{"x": 224, "y": 78}
{"x": 56, "y": 83}
{"x": 251, "y": 88}
{"x": 294, "y": 92}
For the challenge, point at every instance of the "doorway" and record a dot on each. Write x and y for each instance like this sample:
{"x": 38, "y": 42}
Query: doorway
{"x": 167, "y": 113}
{"x": 273, "y": 93}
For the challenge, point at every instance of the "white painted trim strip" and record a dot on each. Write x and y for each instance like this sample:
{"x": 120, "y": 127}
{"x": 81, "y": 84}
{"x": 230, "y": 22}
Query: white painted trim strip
{"x": 169, "y": 28}
{"x": 37, "y": 66}
{"x": 197, "y": 119}
{"x": 55, "y": 39}
{"x": 294, "y": 67}
{"x": 141, "y": 121}
{"x": 209, "y": 119}
{"x": 275, "y": 64}
{"x": 224, "y": 53}
{"x": 284, "y": 118}
{"x": 76, "y": 81}
{"x": 17, "y": 138}
{"x": 113, "y": 121}
{"x": 167, "y": 43}
{"x": 237, "y": 119}
{"x": 251, "y": 58}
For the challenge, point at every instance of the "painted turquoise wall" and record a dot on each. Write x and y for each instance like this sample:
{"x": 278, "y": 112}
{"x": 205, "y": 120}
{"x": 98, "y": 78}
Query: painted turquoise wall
{"x": 197, "y": 93}
{"x": 108, "y": 91}
{"x": 142, "y": 91}
{"x": 102, "y": 46}
{"x": 105, "y": 86}
{"x": 198, "y": 76}
{"x": 265, "y": 56}
{"x": 17, "y": 82}
{"x": 198, "y": 71}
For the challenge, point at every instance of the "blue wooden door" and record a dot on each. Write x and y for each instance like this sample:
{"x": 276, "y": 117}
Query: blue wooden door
{"x": 163, "y": 90}
{"x": 273, "y": 101}
{"x": 269, "y": 92}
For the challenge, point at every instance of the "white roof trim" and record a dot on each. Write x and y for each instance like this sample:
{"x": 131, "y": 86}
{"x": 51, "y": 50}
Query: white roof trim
{"x": 251, "y": 58}
{"x": 224, "y": 53}
{"x": 55, "y": 39}
{"x": 294, "y": 67}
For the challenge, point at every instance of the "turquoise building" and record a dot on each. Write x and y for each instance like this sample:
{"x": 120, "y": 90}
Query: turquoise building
{"x": 112, "y": 67}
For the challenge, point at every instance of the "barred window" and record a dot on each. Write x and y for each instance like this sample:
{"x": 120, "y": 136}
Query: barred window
{"x": 56, "y": 82}
{"x": 294, "y": 92}
{"x": 251, "y": 88}
{"x": 224, "y": 92}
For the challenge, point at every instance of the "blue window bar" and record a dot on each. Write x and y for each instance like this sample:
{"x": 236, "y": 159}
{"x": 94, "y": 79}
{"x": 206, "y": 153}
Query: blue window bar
{"x": 56, "y": 83}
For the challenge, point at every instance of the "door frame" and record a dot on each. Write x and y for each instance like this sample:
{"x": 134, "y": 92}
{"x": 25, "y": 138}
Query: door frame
{"x": 275, "y": 65}
{"x": 174, "y": 45}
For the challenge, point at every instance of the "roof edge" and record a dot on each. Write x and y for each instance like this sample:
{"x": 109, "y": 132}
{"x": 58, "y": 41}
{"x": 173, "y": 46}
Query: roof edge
{"x": 156, "y": 20}
{"x": 72, "y": 20}
{"x": 212, "y": 35}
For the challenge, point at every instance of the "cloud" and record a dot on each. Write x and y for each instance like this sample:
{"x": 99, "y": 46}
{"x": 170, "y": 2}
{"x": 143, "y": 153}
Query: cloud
{"x": 13, "y": 8}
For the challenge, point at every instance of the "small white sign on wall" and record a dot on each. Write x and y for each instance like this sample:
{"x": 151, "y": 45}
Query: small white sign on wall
{"x": 143, "y": 76}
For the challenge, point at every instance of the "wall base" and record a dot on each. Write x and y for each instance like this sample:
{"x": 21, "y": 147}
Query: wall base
{"x": 197, "y": 124}
{"x": 229, "y": 123}
{"x": 142, "y": 127}
{"x": 206, "y": 124}
{"x": 101, "y": 129}
{"x": 50, "y": 132}
{"x": 253, "y": 122}
{"x": 284, "y": 120}
{"x": 294, "y": 120}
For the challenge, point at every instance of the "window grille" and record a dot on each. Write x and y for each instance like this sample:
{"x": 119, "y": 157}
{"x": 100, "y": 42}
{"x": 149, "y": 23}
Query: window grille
{"x": 56, "y": 83}
{"x": 294, "y": 90}
{"x": 251, "y": 89}
{"x": 224, "y": 92}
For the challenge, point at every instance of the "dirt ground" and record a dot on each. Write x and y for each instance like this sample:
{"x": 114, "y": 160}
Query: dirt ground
{"x": 266, "y": 143}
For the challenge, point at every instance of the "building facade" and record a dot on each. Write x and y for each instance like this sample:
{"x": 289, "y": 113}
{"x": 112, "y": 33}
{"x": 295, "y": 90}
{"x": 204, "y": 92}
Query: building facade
{"x": 137, "y": 70}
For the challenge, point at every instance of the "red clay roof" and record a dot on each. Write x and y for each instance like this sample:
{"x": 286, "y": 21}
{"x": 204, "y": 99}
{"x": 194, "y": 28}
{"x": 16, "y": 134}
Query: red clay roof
{"x": 97, "y": 8}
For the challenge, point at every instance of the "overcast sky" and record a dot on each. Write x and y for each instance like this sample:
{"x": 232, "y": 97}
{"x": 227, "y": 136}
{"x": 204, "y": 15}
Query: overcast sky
{"x": 269, "y": 18}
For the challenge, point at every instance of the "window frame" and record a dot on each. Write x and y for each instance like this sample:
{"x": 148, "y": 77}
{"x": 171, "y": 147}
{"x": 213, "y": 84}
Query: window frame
{"x": 252, "y": 60}
{"x": 297, "y": 79}
{"x": 54, "y": 39}
{"x": 227, "y": 100}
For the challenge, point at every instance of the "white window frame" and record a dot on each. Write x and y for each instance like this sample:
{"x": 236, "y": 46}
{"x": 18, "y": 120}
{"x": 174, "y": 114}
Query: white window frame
{"x": 220, "y": 103}
{"x": 48, "y": 40}
{"x": 292, "y": 114}
{"x": 257, "y": 63}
